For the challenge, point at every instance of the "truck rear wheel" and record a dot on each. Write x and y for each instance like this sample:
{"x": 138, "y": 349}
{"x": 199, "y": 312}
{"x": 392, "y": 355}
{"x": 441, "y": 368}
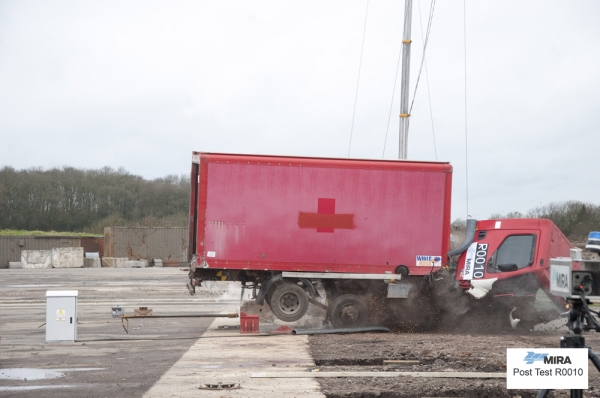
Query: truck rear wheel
{"x": 349, "y": 311}
{"x": 288, "y": 302}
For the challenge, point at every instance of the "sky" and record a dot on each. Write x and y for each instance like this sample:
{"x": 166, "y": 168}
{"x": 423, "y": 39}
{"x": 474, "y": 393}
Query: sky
{"x": 142, "y": 84}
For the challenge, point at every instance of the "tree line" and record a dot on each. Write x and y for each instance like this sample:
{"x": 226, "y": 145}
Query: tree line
{"x": 81, "y": 200}
{"x": 575, "y": 219}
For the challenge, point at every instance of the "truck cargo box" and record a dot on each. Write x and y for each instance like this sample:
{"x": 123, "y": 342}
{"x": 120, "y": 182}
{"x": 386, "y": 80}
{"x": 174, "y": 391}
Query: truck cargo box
{"x": 280, "y": 213}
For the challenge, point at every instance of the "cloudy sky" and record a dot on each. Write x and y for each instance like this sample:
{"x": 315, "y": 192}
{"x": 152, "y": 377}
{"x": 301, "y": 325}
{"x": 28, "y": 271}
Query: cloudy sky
{"x": 141, "y": 84}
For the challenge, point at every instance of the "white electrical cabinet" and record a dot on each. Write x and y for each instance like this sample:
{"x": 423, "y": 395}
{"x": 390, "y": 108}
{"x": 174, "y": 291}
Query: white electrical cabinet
{"x": 61, "y": 315}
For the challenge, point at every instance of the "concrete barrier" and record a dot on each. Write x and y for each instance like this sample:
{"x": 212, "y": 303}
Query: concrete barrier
{"x": 136, "y": 264}
{"x": 36, "y": 259}
{"x": 14, "y": 265}
{"x": 114, "y": 262}
{"x": 67, "y": 257}
{"x": 91, "y": 263}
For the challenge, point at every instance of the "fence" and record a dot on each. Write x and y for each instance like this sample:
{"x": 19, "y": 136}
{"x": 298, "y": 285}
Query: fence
{"x": 11, "y": 246}
{"x": 135, "y": 243}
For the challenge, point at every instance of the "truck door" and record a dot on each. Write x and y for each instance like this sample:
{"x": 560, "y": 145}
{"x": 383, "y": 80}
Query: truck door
{"x": 516, "y": 252}
{"x": 495, "y": 248}
{"x": 502, "y": 261}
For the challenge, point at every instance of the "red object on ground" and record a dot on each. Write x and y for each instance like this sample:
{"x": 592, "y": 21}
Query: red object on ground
{"x": 283, "y": 329}
{"x": 248, "y": 323}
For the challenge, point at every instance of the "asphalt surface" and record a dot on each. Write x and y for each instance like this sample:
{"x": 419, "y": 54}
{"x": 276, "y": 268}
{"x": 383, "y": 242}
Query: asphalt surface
{"x": 105, "y": 361}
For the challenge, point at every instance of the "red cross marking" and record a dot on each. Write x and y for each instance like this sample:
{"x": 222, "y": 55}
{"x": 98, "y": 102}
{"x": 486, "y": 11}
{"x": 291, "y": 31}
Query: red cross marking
{"x": 325, "y": 220}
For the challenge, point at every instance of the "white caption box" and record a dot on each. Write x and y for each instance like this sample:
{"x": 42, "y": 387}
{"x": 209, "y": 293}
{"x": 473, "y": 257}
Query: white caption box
{"x": 547, "y": 368}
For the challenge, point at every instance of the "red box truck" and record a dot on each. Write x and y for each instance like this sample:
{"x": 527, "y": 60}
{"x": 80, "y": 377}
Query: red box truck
{"x": 364, "y": 230}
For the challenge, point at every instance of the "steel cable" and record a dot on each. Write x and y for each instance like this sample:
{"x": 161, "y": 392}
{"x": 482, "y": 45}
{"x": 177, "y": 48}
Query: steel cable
{"x": 358, "y": 79}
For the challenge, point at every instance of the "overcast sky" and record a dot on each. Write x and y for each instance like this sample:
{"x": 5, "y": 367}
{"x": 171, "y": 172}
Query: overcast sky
{"x": 141, "y": 84}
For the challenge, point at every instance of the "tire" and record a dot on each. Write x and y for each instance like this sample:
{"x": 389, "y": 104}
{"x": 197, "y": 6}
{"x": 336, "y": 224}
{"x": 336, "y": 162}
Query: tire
{"x": 268, "y": 297}
{"x": 349, "y": 311}
{"x": 288, "y": 302}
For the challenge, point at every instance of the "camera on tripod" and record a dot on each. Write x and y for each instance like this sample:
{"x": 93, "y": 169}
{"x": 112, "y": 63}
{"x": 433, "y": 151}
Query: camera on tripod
{"x": 574, "y": 277}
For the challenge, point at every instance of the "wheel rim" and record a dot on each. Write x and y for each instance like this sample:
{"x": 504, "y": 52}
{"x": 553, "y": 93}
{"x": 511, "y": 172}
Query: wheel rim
{"x": 348, "y": 314}
{"x": 289, "y": 303}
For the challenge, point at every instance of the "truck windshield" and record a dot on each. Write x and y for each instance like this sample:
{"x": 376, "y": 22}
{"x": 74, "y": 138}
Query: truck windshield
{"x": 516, "y": 249}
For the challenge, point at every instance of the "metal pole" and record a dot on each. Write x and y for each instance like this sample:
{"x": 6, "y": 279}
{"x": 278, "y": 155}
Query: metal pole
{"x": 402, "y": 151}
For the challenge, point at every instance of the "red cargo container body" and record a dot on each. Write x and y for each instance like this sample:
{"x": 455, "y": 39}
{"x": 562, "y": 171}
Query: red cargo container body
{"x": 319, "y": 215}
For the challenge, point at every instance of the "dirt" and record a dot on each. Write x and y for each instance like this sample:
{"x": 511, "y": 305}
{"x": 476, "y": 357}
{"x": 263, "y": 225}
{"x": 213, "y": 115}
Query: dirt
{"x": 436, "y": 352}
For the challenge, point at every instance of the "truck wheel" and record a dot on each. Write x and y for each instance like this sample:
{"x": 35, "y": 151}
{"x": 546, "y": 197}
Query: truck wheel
{"x": 349, "y": 311}
{"x": 288, "y": 302}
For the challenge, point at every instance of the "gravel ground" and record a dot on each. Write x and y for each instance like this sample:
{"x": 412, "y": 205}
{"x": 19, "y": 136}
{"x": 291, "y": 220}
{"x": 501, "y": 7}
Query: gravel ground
{"x": 436, "y": 352}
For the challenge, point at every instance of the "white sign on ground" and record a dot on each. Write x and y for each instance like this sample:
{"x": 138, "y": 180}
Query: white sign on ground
{"x": 547, "y": 368}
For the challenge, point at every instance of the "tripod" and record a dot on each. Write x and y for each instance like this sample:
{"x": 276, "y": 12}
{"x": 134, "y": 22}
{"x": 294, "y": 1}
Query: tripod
{"x": 580, "y": 319}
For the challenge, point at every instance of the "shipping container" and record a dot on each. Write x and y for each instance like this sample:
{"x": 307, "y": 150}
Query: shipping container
{"x": 287, "y": 226}
{"x": 318, "y": 214}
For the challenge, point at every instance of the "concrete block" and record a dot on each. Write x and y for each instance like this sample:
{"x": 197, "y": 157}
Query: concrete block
{"x": 139, "y": 263}
{"x": 91, "y": 263}
{"x": 67, "y": 257}
{"x": 136, "y": 264}
{"x": 158, "y": 262}
{"x": 36, "y": 259}
{"x": 114, "y": 262}
{"x": 14, "y": 265}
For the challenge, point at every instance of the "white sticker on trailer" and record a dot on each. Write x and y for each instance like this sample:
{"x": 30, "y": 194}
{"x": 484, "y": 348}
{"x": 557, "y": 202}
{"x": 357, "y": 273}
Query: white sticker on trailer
{"x": 498, "y": 224}
{"x": 429, "y": 261}
{"x": 211, "y": 254}
{"x": 467, "y": 272}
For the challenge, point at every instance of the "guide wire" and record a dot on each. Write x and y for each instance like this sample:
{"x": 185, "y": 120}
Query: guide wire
{"x": 358, "y": 79}
{"x": 466, "y": 129}
{"x": 428, "y": 91}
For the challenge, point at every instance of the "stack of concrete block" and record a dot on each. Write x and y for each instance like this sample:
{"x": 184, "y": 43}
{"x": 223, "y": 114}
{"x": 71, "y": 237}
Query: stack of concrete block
{"x": 36, "y": 259}
{"x": 67, "y": 257}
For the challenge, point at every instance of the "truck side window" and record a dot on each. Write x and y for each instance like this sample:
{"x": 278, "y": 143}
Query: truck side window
{"x": 516, "y": 249}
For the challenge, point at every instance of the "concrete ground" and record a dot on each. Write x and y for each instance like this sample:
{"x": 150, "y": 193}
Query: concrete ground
{"x": 158, "y": 358}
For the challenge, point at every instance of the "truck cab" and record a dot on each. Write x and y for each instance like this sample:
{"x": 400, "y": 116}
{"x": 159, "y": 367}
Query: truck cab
{"x": 509, "y": 260}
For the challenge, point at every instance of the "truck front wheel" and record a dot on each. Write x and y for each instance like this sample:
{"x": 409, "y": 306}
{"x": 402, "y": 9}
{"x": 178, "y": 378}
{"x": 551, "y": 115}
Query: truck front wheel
{"x": 349, "y": 311}
{"x": 288, "y": 302}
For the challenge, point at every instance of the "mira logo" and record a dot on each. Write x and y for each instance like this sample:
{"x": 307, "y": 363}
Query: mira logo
{"x": 532, "y": 357}
{"x": 557, "y": 360}
{"x": 561, "y": 280}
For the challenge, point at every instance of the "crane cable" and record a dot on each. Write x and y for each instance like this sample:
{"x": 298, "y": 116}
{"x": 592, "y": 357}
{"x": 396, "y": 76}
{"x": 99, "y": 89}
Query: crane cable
{"x": 428, "y": 91}
{"x": 466, "y": 131}
{"x": 358, "y": 79}
{"x": 431, "y": 10}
